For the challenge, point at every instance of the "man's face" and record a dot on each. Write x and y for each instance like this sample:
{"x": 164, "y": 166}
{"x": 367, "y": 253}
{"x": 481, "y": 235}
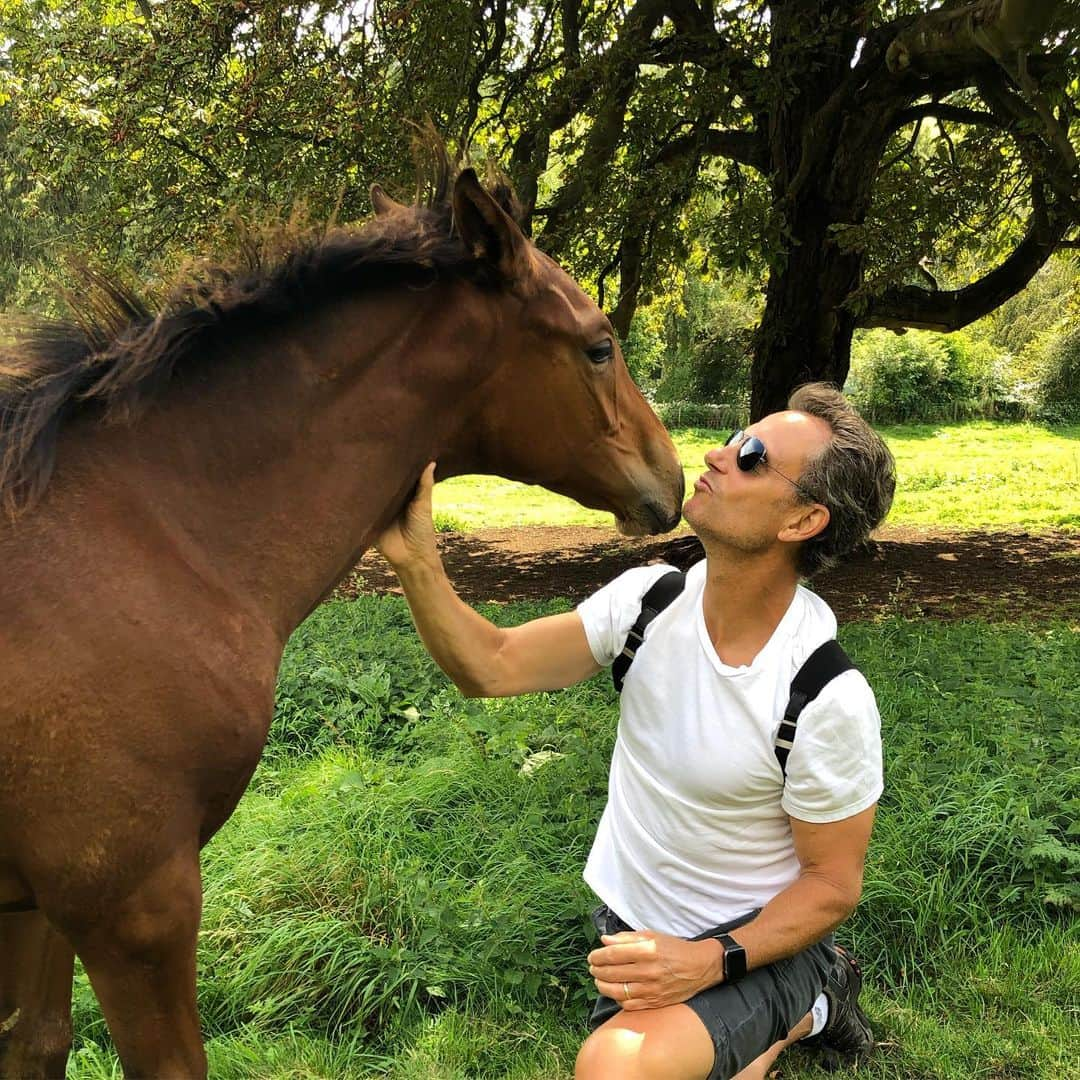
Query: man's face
{"x": 748, "y": 510}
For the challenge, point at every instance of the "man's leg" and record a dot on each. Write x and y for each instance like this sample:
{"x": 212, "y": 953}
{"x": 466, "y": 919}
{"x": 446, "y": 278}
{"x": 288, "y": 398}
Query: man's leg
{"x": 653, "y": 1044}
{"x": 759, "y": 1069}
{"x": 665, "y": 1044}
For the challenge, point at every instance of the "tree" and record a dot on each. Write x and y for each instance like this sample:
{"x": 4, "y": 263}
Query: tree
{"x": 815, "y": 100}
{"x": 842, "y": 149}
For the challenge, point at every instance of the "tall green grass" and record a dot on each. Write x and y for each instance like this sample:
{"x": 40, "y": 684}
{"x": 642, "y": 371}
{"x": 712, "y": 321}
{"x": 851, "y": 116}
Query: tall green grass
{"x": 956, "y": 475}
{"x": 399, "y": 893}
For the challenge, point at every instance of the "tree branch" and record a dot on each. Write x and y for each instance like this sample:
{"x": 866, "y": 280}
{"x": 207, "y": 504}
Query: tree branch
{"x": 946, "y": 310}
{"x": 492, "y": 54}
{"x": 617, "y": 72}
{"x": 1058, "y": 164}
{"x": 148, "y": 16}
{"x": 969, "y": 35}
{"x": 709, "y": 51}
{"x": 959, "y": 114}
{"x": 911, "y": 144}
{"x": 745, "y": 147}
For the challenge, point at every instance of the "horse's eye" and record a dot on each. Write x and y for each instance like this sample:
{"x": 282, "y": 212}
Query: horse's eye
{"x": 602, "y": 353}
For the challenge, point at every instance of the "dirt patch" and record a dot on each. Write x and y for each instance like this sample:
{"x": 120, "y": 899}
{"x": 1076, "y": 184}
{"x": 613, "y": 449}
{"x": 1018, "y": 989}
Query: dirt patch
{"x": 908, "y": 571}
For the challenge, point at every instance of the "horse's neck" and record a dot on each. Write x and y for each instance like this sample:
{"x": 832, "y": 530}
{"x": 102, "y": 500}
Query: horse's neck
{"x": 277, "y": 473}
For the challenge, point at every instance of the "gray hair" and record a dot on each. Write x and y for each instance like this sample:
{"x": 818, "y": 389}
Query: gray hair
{"x": 854, "y": 476}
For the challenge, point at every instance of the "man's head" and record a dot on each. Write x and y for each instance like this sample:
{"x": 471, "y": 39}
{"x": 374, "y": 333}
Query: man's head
{"x": 815, "y": 476}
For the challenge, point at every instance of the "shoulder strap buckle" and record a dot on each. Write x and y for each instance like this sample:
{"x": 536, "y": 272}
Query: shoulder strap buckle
{"x": 821, "y": 667}
{"x": 659, "y": 596}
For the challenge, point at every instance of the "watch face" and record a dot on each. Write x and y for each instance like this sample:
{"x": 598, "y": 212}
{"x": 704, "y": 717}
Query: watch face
{"x": 734, "y": 959}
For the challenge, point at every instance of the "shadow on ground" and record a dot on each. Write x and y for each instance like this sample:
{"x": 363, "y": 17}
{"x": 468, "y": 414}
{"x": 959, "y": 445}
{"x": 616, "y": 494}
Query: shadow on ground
{"x": 906, "y": 571}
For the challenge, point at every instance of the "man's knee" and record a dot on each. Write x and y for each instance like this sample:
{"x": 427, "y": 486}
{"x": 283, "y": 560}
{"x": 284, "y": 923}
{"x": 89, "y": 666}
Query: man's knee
{"x": 643, "y": 1051}
{"x": 614, "y": 1052}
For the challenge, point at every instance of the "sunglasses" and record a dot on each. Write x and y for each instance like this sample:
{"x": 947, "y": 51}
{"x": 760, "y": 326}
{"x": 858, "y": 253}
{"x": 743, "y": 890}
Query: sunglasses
{"x": 752, "y": 453}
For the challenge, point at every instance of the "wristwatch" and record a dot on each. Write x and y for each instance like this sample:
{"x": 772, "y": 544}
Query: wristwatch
{"x": 734, "y": 958}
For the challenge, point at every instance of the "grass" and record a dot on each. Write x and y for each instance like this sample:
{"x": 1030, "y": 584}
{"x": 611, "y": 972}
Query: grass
{"x": 399, "y": 894}
{"x": 971, "y": 475}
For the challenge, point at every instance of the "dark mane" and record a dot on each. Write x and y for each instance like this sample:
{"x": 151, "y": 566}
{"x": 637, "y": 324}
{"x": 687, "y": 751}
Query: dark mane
{"x": 115, "y": 352}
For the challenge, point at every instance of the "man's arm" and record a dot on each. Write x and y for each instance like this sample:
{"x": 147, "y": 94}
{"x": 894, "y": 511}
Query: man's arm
{"x": 482, "y": 659}
{"x": 831, "y": 859}
{"x": 665, "y": 970}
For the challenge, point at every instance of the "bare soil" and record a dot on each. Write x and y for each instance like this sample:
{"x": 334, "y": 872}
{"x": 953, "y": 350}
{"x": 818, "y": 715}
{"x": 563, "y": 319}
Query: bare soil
{"x": 904, "y": 570}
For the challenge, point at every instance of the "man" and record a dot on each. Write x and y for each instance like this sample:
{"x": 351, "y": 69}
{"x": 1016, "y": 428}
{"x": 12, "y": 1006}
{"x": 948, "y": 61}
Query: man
{"x": 702, "y": 832}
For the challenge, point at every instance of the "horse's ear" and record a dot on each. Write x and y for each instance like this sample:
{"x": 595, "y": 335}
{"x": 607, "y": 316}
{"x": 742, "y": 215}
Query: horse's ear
{"x": 381, "y": 202}
{"x": 489, "y": 232}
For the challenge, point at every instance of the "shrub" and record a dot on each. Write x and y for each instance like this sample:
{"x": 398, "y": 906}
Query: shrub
{"x": 1054, "y": 362}
{"x": 683, "y": 414}
{"x": 701, "y": 352}
{"x": 923, "y": 376}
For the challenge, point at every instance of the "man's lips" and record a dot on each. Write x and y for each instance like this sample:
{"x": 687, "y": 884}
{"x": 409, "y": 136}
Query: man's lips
{"x": 702, "y": 484}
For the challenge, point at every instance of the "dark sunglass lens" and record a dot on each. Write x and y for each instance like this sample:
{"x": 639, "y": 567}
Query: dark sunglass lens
{"x": 734, "y": 437}
{"x": 751, "y": 454}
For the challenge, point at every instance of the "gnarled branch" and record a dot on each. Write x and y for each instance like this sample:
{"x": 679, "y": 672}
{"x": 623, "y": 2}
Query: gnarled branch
{"x": 958, "y": 114}
{"x": 745, "y": 147}
{"x": 944, "y": 310}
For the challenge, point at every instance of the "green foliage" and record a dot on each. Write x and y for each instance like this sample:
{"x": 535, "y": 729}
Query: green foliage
{"x": 1054, "y": 362}
{"x": 1043, "y": 304}
{"x": 919, "y": 376}
{"x": 136, "y": 133}
{"x": 640, "y": 143}
{"x": 402, "y": 896}
{"x": 700, "y": 346}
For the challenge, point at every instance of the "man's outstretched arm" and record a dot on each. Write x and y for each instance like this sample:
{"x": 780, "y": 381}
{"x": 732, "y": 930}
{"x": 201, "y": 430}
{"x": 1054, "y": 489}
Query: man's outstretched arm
{"x": 482, "y": 659}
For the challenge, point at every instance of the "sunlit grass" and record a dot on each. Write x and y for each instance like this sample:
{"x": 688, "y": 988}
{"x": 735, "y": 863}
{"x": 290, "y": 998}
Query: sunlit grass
{"x": 952, "y": 475}
{"x": 396, "y": 896}
{"x": 985, "y": 474}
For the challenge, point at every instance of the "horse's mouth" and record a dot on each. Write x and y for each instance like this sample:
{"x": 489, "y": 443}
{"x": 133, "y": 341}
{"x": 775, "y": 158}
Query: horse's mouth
{"x": 648, "y": 520}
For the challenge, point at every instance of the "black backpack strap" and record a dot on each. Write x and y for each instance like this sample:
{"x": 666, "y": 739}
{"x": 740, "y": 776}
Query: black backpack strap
{"x": 821, "y": 667}
{"x": 660, "y": 594}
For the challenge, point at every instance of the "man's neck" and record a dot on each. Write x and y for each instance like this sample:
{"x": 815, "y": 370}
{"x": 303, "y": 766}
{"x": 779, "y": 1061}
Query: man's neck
{"x": 745, "y": 599}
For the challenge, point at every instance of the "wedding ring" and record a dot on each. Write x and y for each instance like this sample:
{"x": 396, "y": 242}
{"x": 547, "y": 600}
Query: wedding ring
{"x": 626, "y": 991}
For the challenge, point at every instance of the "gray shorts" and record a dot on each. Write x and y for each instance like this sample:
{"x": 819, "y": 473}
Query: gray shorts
{"x": 743, "y": 1019}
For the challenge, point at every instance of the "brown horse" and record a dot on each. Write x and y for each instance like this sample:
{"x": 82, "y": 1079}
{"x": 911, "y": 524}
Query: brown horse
{"x": 181, "y": 491}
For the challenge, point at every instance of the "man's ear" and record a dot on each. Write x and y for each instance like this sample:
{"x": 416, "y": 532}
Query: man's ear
{"x": 806, "y": 521}
{"x": 488, "y": 231}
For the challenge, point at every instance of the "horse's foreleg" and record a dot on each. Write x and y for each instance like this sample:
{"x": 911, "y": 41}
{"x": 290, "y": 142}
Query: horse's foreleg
{"x": 36, "y": 968}
{"x": 141, "y": 963}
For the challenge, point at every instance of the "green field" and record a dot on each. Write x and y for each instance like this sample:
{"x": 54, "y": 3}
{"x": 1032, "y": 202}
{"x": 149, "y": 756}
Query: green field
{"x": 969, "y": 475}
{"x": 399, "y": 892}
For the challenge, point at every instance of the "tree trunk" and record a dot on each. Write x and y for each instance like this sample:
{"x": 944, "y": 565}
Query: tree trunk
{"x": 826, "y": 141}
{"x": 805, "y": 332}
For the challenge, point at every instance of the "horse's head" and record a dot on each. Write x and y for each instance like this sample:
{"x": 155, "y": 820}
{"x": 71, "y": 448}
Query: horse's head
{"x": 559, "y": 407}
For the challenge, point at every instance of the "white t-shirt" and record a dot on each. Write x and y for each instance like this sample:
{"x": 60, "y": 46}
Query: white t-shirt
{"x": 696, "y": 831}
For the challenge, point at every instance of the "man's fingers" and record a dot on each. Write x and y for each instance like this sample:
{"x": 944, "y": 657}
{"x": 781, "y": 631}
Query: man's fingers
{"x": 427, "y": 477}
{"x": 629, "y": 937}
{"x": 623, "y": 949}
{"x": 641, "y": 996}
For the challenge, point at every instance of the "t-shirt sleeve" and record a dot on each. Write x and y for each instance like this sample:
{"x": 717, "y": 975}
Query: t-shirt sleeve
{"x": 610, "y": 612}
{"x": 834, "y": 769}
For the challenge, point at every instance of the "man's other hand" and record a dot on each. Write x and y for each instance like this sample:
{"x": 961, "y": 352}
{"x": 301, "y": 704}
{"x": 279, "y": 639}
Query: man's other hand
{"x": 410, "y": 539}
{"x": 657, "y": 969}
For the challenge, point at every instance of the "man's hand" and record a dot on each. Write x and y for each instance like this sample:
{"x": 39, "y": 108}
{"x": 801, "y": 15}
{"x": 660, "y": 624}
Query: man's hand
{"x": 658, "y": 969}
{"x": 411, "y": 537}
